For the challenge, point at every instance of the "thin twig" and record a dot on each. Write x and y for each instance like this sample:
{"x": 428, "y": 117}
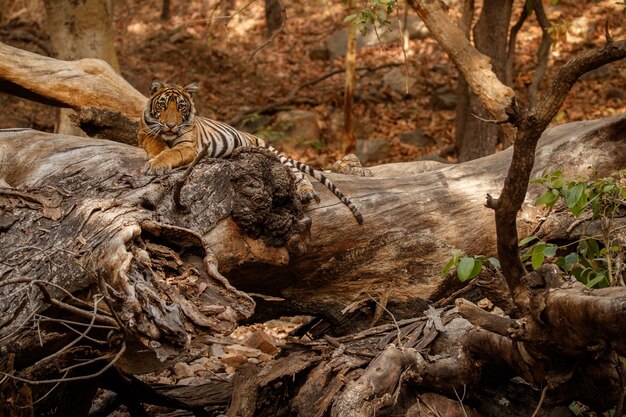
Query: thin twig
{"x": 179, "y": 184}
{"x": 495, "y": 122}
{"x": 392, "y": 317}
{"x": 72, "y": 379}
{"x": 461, "y": 399}
{"x": 97, "y": 299}
{"x": 541, "y": 399}
{"x": 607, "y": 35}
{"x": 280, "y": 30}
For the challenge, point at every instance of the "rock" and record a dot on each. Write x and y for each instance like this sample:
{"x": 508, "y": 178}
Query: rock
{"x": 217, "y": 350}
{"x": 397, "y": 81}
{"x": 371, "y": 150}
{"x": 417, "y": 138}
{"x": 262, "y": 341}
{"x": 242, "y": 350}
{"x": 203, "y": 361}
{"x": 194, "y": 380}
{"x": 234, "y": 359}
{"x": 182, "y": 370}
{"x": 443, "y": 99}
{"x": 336, "y": 43}
{"x": 299, "y": 126}
{"x": 264, "y": 357}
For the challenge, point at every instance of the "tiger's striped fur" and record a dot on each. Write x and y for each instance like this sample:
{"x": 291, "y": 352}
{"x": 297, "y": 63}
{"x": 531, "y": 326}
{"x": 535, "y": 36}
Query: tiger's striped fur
{"x": 172, "y": 135}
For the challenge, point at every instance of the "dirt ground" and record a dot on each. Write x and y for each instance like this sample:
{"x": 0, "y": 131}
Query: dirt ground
{"x": 211, "y": 42}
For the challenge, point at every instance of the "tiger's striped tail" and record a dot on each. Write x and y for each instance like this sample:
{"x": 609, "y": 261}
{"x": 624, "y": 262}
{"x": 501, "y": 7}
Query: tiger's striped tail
{"x": 321, "y": 178}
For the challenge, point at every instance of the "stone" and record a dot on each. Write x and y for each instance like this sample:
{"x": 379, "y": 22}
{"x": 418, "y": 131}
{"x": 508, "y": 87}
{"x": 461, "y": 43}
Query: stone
{"x": 443, "y": 99}
{"x": 336, "y": 43}
{"x": 417, "y": 138}
{"x": 296, "y": 127}
{"x": 217, "y": 350}
{"x": 234, "y": 359}
{"x": 242, "y": 350}
{"x": 182, "y": 370}
{"x": 398, "y": 81}
{"x": 371, "y": 150}
{"x": 262, "y": 341}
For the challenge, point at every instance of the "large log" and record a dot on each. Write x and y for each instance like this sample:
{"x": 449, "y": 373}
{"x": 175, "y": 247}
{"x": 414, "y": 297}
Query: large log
{"x": 413, "y": 221}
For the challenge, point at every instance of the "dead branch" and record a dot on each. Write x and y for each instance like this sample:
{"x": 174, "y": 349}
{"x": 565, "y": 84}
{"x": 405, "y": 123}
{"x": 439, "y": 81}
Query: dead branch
{"x": 530, "y": 126}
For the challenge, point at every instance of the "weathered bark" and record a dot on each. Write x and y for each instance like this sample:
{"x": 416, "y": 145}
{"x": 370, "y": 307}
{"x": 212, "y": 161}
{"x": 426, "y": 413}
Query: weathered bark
{"x": 87, "y": 82}
{"x": 412, "y": 221}
{"x": 475, "y": 67}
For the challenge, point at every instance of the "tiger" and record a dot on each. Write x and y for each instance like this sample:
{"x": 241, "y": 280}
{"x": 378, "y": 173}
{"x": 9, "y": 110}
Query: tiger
{"x": 172, "y": 135}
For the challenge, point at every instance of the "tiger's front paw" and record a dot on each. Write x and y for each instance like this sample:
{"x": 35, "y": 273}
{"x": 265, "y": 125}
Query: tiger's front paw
{"x": 306, "y": 194}
{"x": 154, "y": 167}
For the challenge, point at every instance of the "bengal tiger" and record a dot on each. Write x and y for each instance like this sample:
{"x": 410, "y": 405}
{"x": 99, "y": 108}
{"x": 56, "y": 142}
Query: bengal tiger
{"x": 172, "y": 135}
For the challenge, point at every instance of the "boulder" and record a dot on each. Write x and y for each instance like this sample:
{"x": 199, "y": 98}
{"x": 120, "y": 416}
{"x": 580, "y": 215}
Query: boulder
{"x": 417, "y": 138}
{"x": 371, "y": 150}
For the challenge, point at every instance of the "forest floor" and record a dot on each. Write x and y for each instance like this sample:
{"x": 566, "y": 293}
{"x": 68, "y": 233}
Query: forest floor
{"x": 211, "y": 42}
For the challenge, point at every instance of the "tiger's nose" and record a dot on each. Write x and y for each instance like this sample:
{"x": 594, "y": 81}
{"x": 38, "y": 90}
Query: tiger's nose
{"x": 171, "y": 125}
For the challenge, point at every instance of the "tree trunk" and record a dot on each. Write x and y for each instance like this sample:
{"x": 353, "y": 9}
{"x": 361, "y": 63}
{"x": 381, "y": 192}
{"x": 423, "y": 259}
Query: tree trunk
{"x": 474, "y": 137}
{"x": 274, "y": 18}
{"x": 80, "y": 30}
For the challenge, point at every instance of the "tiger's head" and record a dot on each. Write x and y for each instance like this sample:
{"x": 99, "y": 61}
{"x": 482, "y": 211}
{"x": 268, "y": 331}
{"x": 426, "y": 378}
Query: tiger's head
{"x": 170, "y": 110}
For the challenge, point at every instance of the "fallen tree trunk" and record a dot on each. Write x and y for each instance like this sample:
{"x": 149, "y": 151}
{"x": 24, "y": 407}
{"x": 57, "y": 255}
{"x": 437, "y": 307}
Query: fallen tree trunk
{"x": 414, "y": 220}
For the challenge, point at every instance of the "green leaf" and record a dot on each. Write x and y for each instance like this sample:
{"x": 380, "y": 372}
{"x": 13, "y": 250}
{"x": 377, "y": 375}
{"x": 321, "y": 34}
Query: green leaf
{"x": 448, "y": 267}
{"x": 527, "y": 240}
{"x": 597, "y": 280}
{"x": 468, "y": 268}
{"x": 570, "y": 260}
{"x": 538, "y": 257}
{"x": 494, "y": 261}
{"x": 548, "y": 198}
{"x": 574, "y": 408}
{"x": 574, "y": 194}
{"x": 350, "y": 18}
{"x": 550, "y": 250}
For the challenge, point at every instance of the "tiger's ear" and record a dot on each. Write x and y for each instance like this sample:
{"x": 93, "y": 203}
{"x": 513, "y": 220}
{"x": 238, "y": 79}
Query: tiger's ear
{"x": 192, "y": 88}
{"x": 156, "y": 86}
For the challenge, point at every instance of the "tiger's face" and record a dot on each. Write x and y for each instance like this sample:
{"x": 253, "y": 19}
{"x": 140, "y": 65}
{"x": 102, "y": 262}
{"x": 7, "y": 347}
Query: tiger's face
{"x": 170, "y": 110}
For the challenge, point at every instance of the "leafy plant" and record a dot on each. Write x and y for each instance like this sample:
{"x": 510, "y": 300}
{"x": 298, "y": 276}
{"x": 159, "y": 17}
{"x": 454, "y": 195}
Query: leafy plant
{"x": 467, "y": 267}
{"x": 595, "y": 260}
{"x": 375, "y": 12}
